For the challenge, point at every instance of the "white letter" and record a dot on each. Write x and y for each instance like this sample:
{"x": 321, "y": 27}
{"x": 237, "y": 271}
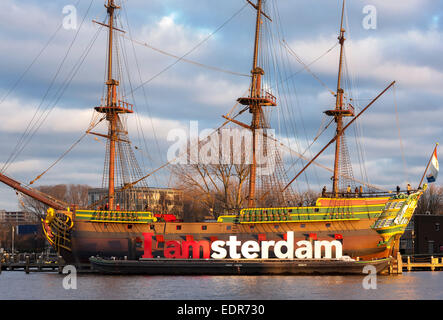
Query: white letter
{"x": 328, "y": 249}
{"x": 248, "y": 247}
{"x": 180, "y": 146}
{"x": 70, "y": 21}
{"x": 266, "y": 151}
{"x": 217, "y": 247}
{"x": 70, "y": 281}
{"x": 289, "y": 244}
{"x": 370, "y": 281}
{"x": 370, "y": 21}
{"x": 193, "y": 140}
{"x": 304, "y": 252}
{"x": 209, "y": 152}
{"x": 233, "y": 244}
{"x": 239, "y": 148}
{"x": 265, "y": 248}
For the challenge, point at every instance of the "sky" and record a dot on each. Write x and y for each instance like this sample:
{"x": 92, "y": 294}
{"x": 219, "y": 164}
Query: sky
{"x": 385, "y": 41}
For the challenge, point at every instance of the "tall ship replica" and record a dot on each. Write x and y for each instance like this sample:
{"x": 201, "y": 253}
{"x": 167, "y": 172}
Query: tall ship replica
{"x": 368, "y": 224}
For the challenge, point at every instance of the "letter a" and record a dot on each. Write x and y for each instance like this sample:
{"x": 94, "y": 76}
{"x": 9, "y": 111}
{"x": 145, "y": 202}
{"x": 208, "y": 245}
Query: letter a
{"x": 70, "y": 281}
{"x": 370, "y": 281}
{"x": 370, "y": 20}
{"x": 70, "y": 21}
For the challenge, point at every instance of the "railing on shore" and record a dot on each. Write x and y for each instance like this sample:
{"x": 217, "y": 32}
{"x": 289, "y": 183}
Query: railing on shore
{"x": 415, "y": 263}
{"x": 420, "y": 263}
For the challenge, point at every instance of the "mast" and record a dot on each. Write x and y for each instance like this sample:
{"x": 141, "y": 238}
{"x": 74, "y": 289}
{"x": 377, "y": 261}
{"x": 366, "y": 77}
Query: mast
{"x": 110, "y": 101}
{"x": 255, "y": 101}
{"x": 340, "y": 111}
{"x": 255, "y": 108}
{"x": 112, "y": 108}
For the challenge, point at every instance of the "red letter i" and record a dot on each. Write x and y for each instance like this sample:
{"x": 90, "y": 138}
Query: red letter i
{"x": 147, "y": 245}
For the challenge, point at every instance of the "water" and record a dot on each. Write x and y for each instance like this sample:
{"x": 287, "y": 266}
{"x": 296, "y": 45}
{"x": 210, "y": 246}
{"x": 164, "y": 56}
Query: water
{"x": 37, "y": 286}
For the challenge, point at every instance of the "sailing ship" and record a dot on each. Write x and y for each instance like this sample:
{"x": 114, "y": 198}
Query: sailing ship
{"x": 368, "y": 225}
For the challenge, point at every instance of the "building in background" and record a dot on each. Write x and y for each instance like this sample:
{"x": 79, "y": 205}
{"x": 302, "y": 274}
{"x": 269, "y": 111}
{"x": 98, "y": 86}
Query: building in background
{"x": 156, "y": 200}
{"x": 428, "y": 234}
{"x": 20, "y": 230}
{"x": 407, "y": 239}
{"x": 18, "y": 217}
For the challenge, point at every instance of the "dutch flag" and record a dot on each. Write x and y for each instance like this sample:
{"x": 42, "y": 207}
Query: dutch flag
{"x": 433, "y": 168}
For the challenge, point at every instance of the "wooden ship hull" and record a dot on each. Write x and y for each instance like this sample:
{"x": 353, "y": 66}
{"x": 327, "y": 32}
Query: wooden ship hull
{"x": 368, "y": 228}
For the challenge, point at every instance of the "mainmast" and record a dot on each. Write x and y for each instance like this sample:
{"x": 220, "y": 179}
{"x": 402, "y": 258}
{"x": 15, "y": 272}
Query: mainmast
{"x": 112, "y": 108}
{"x": 257, "y": 98}
{"x": 340, "y": 111}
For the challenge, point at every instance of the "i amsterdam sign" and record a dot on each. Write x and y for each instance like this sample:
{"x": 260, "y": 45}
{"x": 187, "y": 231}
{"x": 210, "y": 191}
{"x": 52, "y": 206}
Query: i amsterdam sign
{"x": 235, "y": 249}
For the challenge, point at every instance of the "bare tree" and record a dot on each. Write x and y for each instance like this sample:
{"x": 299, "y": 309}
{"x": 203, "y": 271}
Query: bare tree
{"x": 75, "y": 195}
{"x": 218, "y": 188}
{"x": 431, "y": 202}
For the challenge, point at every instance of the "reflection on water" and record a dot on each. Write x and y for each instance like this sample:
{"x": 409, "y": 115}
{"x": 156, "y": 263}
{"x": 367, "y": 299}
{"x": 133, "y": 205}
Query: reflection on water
{"x": 411, "y": 285}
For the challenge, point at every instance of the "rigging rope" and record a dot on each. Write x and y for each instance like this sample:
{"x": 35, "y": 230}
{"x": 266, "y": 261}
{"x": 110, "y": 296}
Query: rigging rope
{"x": 399, "y": 136}
{"x": 32, "y": 128}
{"x": 67, "y": 151}
{"x": 306, "y": 67}
{"x": 190, "y": 51}
{"x": 187, "y": 60}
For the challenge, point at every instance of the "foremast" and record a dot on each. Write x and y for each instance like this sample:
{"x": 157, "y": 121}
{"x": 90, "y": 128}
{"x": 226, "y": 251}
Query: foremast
{"x": 113, "y": 107}
{"x": 256, "y": 100}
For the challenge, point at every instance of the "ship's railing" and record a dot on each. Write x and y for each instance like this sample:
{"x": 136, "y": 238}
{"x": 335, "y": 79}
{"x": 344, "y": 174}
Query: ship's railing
{"x": 350, "y": 108}
{"x": 269, "y": 96}
{"x": 354, "y": 194}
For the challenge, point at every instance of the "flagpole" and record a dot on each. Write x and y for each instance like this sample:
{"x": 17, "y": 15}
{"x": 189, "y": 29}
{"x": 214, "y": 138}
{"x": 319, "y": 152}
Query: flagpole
{"x": 427, "y": 167}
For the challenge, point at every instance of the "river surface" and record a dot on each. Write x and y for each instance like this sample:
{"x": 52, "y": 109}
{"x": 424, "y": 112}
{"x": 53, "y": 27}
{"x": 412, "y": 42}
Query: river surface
{"x": 49, "y": 285}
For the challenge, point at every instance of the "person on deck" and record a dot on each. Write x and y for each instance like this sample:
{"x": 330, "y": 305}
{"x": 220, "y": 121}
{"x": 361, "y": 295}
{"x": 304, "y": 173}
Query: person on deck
{"x": 323, "y": 192}
{"x": 408, "y": 188}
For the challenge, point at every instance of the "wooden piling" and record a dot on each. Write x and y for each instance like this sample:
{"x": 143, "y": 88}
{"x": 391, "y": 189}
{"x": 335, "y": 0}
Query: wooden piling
{"x": 27, "y": 264}
{"x": 399, "y": 263}
{"x": 59, "y": 262}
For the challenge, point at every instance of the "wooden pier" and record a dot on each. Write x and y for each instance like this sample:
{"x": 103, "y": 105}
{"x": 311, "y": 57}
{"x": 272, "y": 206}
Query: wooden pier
{"x": 30, "y": 262}
{"x": 433, "y": 264}
{"x": 415, "y": 263}
{"x": 37, "y": 263}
